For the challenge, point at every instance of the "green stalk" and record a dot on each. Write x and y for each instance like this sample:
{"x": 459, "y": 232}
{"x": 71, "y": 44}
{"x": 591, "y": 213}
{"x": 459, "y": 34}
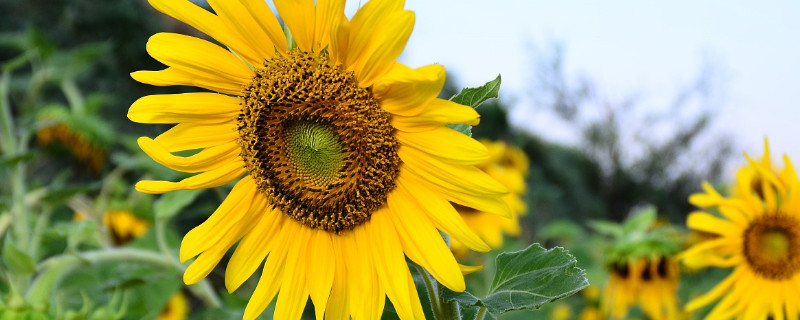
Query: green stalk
{"x": 441, "y": 310}
{"x": 10, "y": 148}
{"x": 481, "y": 313}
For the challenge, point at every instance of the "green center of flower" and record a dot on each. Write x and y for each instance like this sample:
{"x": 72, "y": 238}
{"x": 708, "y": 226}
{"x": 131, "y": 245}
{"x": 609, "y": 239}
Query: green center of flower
{"x": 772, "y": 246}
{"x": 317, "y": 145}
{"x": 315, "y": 151}
{"x": 775, "y": 245}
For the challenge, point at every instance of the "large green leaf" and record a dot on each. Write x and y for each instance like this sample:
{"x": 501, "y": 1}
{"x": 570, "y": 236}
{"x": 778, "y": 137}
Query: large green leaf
{"x": 473, "y": 97}
{"x": 525, "y": 279}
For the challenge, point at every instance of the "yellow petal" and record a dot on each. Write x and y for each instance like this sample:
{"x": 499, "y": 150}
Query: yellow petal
{"x": 198, "y": 57}
{"x": 205, "y": 22}
{"x": 299, "y": 16}
{"x": 327, "y": 11}
{"x": 293, "y": 295}
{"x": 405, "y": 91}
{"x": 439, "y": 211}
{"x": 437, "y": 113}
{"x": 374, "y": 294}
{"x": 389, "y": 262}
{"x": 209, "y": 179}
{"x": 467, "y": 179}
{"x": 365, "y": 294}
{"x": 268, "y": 22}
{"x": 195, "y": 107}
{"x": 340, "y": 38}
{"x": 422, "y": 243}
{"x": 338, "y": 302}
{"x": 446, "y": 144}
{"x": 190, "y": 136}
{"x": 227, "y": 216}
{"x": 175, "y": 77}
{"x": 207, "y": 159}
{"x": 364, "y": 22}
{"x": 271, "y": 276}
{"x": 236, "y": 16}
{"x": 320, "y": 273}
{"x": 210, "y": 257}
{"x": 386, "y": 45}
{"x": 253, "y": 249}
{"x": 465, "y": 270}
{"x": 703, "y": 221}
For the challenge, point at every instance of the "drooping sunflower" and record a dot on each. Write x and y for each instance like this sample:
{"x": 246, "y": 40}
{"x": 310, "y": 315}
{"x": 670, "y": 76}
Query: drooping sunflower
{"x": 508, "y": 165}
{"x": 344, "y": 162}
{"x": 758, "y": 235}
{"x": 650, "y": 283}
{"x": 642, "y": 267}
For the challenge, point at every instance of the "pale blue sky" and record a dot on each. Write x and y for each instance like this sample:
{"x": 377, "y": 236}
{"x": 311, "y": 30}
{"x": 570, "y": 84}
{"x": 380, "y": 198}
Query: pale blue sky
{"x": 628, "y": 46}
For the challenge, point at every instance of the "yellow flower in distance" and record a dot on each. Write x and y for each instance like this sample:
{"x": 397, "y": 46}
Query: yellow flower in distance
{"x": 177, "y": 308}
{"x": 758, "y": 235}
{"x": 344, "y": 163}
{"x": 651, "y": 284}
{"x": 509, "y": 166}
{"x": 122, "y": 225}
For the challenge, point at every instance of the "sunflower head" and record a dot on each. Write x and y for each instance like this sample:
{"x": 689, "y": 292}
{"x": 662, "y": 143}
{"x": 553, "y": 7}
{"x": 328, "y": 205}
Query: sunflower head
{"x": 342, "y": 161}
{"x": 757, "y": 231}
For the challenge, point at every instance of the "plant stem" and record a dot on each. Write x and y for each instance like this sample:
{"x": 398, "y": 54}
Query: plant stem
{"x": 481, "y": 313}
{"x": 11, "y": 148}
{"x": 441, "y": 310}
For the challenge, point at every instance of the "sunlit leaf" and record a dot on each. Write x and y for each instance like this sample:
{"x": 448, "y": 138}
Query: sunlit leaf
{"x": 473, "y": 97}
{"x": 526, "y": 279}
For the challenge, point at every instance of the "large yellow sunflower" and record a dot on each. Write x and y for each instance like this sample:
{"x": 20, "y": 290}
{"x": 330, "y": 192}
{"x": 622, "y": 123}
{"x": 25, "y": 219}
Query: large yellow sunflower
{"x": 344, "y": 162}
{"x": 758, "y": 234}
{"x": 509, "y": 166}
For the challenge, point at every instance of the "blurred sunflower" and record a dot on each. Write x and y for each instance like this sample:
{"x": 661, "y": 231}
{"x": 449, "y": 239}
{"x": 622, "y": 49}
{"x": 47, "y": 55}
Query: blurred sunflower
{"x": 75, "y": 136}
{"x": 650, "y": 283}
{"x": 122, "y": 225}
{"x": 177, "y": 308}
{"x": 758, "y": 234}
{"x": 642, "y": 269}
{"x": 509, "y": 166}
{"x": 345, "y": 160}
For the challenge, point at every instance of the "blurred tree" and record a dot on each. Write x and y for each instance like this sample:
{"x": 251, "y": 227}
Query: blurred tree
{"x": 628, "y": 152}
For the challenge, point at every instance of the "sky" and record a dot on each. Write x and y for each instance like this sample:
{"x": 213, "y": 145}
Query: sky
{"x": 646, "y": 47}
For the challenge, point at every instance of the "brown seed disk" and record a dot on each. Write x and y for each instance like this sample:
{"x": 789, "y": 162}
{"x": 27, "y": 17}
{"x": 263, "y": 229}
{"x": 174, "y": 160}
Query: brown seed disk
{"x": 772, "y": 246}
{"x": 318, "y": 146}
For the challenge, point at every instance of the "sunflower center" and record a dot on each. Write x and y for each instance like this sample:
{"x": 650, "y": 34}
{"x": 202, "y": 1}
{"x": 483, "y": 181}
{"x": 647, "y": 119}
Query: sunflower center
{"x": 772, "y": 246}
{"x": 317, "y": 145}
{"x": 315, "y": 151}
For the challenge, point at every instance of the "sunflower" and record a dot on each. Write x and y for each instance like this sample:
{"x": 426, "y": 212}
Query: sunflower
{"x": 650, "y": 283}
{"x": 758, "y": 235}
{"x": 343, "y": 162}
{"x": 508, "y": 165}
{"x": 123, "y": 226}
{"x": 177, "y": 308}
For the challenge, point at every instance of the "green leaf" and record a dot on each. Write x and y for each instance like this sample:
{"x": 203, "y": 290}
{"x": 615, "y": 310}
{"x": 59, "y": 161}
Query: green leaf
{"x": 640, "y": 220}
{"x": 526, "y": 279}
{"x": 17, "y": 260}
{"x": 607, "y": 228}
{"x": 472, "y": 97}
{"x": 171, "y": 203}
